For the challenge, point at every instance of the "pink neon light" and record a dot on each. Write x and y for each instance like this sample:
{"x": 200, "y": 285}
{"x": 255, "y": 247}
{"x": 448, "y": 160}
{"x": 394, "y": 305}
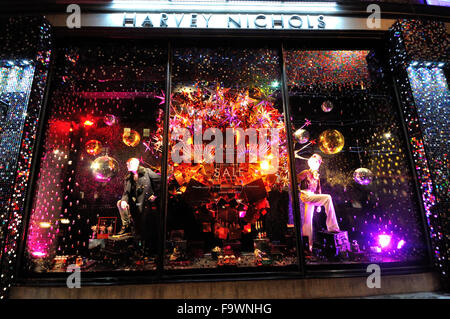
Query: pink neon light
{"x": 38, "y": 254}
{"x": 384, "y": 240}
{"x": 400, "y": 244}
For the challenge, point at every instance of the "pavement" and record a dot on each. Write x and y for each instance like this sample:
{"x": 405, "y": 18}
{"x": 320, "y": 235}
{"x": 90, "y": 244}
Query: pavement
{"x": 417, "y": 295}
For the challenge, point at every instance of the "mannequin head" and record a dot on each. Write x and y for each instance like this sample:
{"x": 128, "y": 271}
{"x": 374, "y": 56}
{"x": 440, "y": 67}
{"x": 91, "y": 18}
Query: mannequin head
{"x": 133, "y": 165}
{"x": 314, "y": 162}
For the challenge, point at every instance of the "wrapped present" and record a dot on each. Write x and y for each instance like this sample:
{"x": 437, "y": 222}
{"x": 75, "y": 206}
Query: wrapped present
{"x": 333, "y": 243}
{"x": 221, "y": 232}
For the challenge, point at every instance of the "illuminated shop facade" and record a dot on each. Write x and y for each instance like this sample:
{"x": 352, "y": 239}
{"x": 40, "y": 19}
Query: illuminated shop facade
{"x": 370, "y": 105}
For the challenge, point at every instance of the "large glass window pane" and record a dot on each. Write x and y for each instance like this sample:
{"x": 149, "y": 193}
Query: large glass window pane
{"x": 106, "y": 107}
{"x": 229, "y": 190}
{"x": 357, "y": 200}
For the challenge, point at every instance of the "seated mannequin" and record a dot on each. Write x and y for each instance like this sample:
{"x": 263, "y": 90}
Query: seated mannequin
{"x": 139, "y": 190}
{"x": 311, "y": 195}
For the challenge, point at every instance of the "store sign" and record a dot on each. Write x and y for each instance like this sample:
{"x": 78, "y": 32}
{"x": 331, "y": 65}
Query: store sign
{"x": 219, "y": 21}
{"x": 223, "y": 21}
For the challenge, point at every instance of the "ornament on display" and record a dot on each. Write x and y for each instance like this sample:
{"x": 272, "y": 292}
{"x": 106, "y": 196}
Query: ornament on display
{"x": 104, "y": 168}
{"x": 327, "y": 106}
{"x": 93, "y": 147}
{"x": 88, "y": 123}
{"x": 131, "y": 138}
{"x": 301, "y": 136}
{"x": 331, "y": 141}
{"x": 110, "y": 119}
{"x": 363, "y": 176}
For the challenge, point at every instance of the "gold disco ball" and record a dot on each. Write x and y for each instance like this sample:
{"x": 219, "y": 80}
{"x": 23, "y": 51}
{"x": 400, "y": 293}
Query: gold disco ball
{"x": 131, "y": 138}
{"x": 93, "y": 147}
{"x": 331, "y": 141}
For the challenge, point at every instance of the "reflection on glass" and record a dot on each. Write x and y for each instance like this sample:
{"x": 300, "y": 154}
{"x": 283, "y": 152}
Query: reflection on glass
{"x": 358, "y": 205}
{"x": 16, "y": 78}
{"x": 90, "y": 208}
{"x": 228, "y": 163}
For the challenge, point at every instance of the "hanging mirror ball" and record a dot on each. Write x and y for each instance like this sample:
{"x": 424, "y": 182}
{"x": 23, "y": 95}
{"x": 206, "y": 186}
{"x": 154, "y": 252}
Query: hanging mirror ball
{"x": 110, "y": 119}
{"x": 331, "y": 141}
{"x": 327, "y": 106}
{"x": 104, "y": 168}
{"x": 363, "y": 176}
{"x": 131, "y": 138}
{"x": 301, "y": 136}
{"x": 93, "y": 147}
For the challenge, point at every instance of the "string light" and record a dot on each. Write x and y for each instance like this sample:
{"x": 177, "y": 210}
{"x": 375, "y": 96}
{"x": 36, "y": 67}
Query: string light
{"x": 27, "y": 98}
{"x": 424, "y": 96}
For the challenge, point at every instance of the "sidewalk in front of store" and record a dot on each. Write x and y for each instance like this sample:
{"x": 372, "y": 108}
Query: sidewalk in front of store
{"x": 418, "y": 295}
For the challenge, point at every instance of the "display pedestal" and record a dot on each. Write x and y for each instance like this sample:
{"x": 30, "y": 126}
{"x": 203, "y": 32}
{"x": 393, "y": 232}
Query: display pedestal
{"x": 119, "y": 247}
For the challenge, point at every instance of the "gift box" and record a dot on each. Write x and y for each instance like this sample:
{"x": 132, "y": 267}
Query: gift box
{"x": 333, "y": 244}
{"x": 106, "y": 227}
{"x": 221, "y": 232}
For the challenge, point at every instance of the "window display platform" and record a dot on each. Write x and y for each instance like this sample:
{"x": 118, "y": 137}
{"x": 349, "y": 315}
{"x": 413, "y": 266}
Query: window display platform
{"x": 260, "y": 289}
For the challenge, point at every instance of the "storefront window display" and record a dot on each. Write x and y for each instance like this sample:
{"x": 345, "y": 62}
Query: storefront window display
{"x": 230, "y": 201}
{"x": 96, "y": 200}
{"x": 229, "y": 184}
{"x": 351, "y": 159}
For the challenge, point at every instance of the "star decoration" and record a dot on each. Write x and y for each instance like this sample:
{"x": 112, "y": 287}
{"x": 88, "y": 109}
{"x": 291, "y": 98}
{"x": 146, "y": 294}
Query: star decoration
{"x": 162, "y": 98}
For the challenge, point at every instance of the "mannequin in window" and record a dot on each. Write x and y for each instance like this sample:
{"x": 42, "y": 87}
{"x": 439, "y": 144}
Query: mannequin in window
{"x": 139, "y": 193}
{"x": 311, "y": 195}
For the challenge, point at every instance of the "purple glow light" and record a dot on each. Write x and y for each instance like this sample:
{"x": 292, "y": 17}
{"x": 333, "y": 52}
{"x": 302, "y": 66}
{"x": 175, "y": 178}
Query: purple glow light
{"x": 384, "y": 240}
{"x": 242, "y": 213}
{"x": 400, "y": 244}
{"x": 443, "y": 3}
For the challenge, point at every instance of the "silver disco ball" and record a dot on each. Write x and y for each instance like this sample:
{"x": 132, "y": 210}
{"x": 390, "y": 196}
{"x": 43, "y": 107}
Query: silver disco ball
{"x": 327, "y": 106}
{"x": 104, "y": 168}
{"x": 301, "y": 136}
{"x": 363, "y": 176}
